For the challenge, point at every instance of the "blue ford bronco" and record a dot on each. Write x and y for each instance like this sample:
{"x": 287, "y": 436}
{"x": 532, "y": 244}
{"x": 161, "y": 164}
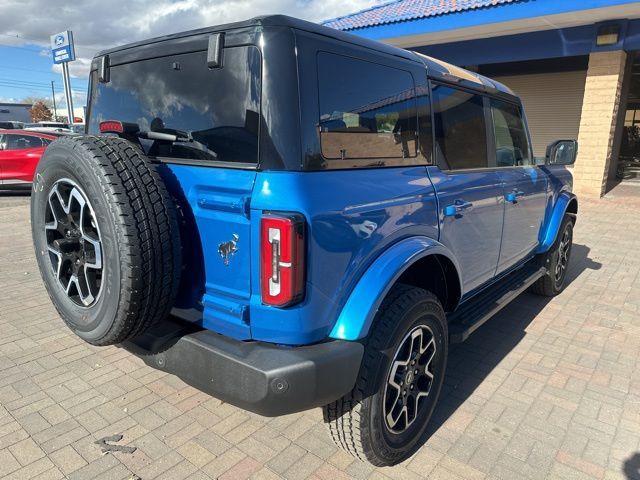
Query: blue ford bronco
{"x": 287, "y": 216}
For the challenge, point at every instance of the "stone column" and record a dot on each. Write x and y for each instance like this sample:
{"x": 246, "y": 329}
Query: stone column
{"x": 598, "y": 122}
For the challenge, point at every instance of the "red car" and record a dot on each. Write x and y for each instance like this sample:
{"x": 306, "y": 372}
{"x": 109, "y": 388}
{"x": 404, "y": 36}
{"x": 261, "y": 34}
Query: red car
{"x": 20, "y": 151}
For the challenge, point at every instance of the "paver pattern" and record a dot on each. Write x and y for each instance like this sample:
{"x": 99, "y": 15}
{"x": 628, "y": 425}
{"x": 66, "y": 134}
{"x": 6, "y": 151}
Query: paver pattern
{"x": 546, "y": 389}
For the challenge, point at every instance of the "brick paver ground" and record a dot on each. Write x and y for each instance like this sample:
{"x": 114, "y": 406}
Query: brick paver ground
{"x": 547, "y": 389}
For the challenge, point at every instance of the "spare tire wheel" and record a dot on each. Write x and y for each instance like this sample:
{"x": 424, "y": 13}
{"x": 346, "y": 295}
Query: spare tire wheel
{"x": 106, "y": 237}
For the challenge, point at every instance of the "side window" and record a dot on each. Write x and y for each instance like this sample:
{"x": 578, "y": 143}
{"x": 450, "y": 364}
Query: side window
{"x": 19, "y": 142}
{"x": 367, "y": 111}
{"x": 512, "y": 143}
{"x": 460, "y": 127}
{"x": 45, "y": 141}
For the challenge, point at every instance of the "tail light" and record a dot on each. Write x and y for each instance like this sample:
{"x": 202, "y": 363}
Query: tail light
{"x": 282, "y": 259}
{"x": 111, "y": 126}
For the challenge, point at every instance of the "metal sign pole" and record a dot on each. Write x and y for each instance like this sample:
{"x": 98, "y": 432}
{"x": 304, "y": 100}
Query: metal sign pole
{"x": 63, "y": 51}
{"x": 67, "y": 91}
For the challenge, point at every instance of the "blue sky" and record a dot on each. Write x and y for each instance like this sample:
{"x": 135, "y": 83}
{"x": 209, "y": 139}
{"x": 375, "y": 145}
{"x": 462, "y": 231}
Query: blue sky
{"x": 27, "y": 71}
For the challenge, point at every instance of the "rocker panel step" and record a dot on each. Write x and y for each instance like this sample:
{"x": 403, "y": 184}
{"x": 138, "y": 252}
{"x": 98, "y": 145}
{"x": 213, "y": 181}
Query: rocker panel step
{"x": 475, "y": 312}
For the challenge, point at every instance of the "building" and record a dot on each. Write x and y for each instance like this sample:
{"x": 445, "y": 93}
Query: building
{"x": 19, "y": 112}
{"x": 575, "y": 64}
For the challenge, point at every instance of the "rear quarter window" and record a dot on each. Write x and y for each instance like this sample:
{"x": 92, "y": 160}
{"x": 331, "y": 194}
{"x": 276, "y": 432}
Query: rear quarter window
{"x": 368, "y": 113}
{"x": 219, "y": 108}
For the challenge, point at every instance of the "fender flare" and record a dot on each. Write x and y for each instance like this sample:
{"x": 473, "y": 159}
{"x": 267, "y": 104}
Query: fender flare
{"x": 565, "y": 199}
{"x": 362, "y": 305}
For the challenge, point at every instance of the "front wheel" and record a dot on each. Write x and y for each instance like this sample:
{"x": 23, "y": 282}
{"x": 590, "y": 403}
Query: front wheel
{"x": 556, "y": 260}
{"x": 383, "y": 419}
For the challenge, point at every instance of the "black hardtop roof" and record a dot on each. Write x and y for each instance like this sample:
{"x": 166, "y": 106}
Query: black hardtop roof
{"x": 436, "y": 68}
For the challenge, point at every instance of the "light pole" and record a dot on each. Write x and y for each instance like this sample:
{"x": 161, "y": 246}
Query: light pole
{"x": 53, "y": 96}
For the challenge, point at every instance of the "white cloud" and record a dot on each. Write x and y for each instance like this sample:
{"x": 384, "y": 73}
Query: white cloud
{"x": 99, "y": 24}
{"x": 79, "y": 99}
{"x": 77, "y": 69}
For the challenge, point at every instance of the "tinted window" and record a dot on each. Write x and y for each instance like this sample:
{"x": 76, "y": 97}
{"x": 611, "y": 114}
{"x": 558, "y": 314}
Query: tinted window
{"x": 19, "y": 142}
{"x": 461, "y": 131}
{"x": 512, "y": 143}
{"x": 218, "y": 108}
{"x": 367, "y": 111}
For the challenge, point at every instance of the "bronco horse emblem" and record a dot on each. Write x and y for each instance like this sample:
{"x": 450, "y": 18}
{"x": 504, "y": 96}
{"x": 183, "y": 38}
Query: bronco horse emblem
{"x": 228, "y": 249}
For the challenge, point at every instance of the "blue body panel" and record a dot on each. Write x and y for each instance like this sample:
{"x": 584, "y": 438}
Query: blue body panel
{"x": 215, "y": 207}
{"x": 477, "y": 228}
{"x": 358, "y": 313}
{"x": 525, "y": 199}
{"x": 352, "y": 218}
{"x": 362, "y": 234}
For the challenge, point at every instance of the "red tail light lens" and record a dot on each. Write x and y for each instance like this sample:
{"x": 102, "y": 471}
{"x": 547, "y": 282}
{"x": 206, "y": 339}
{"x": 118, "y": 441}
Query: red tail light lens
{"x": 282, "y": 259}
{"x": 111, "y": 126}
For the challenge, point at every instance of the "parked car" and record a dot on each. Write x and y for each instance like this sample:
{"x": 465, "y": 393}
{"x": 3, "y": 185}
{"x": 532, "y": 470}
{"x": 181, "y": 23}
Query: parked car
{"x": 20, "y": 151}
{"x": 11, "y": 125}
{"x": 49, "y": 127}
{"x": 321, "y": 215}
{"x": 77, "y": 128}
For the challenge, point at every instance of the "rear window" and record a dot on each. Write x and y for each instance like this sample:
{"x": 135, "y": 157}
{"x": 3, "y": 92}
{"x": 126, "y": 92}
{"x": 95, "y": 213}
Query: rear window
{"x": 367, "y": 111}
{"x": 217, "y": 109}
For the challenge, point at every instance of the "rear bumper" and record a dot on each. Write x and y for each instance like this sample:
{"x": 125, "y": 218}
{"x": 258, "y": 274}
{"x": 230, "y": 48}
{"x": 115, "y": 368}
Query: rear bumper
{"x": 263, "y": 378}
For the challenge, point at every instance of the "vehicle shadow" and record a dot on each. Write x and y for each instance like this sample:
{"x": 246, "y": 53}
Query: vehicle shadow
{"x": 472, "y": 361}
{"x": 631, "y": 467}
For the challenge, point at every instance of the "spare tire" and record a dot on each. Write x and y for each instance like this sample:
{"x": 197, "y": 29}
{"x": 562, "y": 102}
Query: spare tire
{"x": 106, "y": 237}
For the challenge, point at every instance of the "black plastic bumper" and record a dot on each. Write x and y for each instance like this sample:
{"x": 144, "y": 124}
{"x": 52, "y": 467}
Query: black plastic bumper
{"x": 260, "y": 377}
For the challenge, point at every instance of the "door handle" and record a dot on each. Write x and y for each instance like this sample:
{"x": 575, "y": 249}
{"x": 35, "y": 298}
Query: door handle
{"x": 514, "y": 195}
{"x": 456, "y": 208}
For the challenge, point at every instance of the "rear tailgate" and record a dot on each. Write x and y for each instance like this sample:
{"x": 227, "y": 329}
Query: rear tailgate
{"x": 219, "y": 200}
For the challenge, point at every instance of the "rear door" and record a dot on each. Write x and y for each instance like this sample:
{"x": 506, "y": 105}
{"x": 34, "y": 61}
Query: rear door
{"x": 211, "y": 175}
{"x": 469, "y": 192}
{"x": 524, "y": 184}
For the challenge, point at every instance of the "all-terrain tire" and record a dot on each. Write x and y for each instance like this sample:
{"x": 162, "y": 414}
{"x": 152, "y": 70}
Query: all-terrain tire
{"x": 105, "y": 193}
{"x": 554, "y": 282}
{"x": 356, "y": 421}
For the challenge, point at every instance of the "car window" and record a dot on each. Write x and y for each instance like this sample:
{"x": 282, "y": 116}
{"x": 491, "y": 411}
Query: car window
{"x": 460, "y": 129}
{"x": 20, "y": 142}
{"x": 217, "y": 110}
{"x": 512, "y": 142}
{"x": 367, "y": 110}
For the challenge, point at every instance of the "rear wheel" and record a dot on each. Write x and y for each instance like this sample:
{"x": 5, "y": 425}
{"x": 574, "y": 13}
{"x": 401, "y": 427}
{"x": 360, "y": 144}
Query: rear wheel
{"x": 385, "y": 417}
{"x": 106, "y": 237}
{"x": 556, "y": 260}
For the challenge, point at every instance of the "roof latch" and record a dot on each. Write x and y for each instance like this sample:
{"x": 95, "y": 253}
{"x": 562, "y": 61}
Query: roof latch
{"x": 103, "y": 70}
{"x": 214, "y": 54}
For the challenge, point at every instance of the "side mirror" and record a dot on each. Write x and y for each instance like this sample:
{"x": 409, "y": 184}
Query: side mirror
{"x": 562, "y": 152}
